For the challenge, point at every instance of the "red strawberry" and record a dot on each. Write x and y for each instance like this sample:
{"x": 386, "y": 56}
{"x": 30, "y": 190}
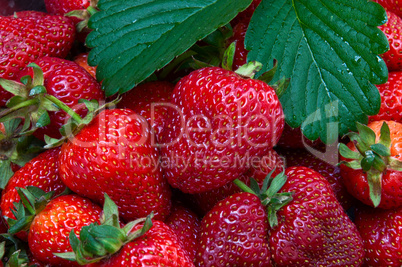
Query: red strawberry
{"x": 373, "y": 173}
{"x": 391, "y": 99}
{"x": 294, "y": 138}
{"x": 69, "y": 83}
{"x": 381, "y": 231}
{"x": 324, "y": 166}
{"x": 147, "y": 100}
{"x": 234, "y": 233}
{"x": 224, "y": 121}
{"x": 82, "y": 60}
{"x": 391, "y": 5}
{"x": 393, "y": 31}
{"x": 50, "y": 229}
{"x": 139, "y": 243}
{"x": 239, "y": 34}
{"x": 42, "y": 172}
{"x": 64, "y": 81}
{"x": 313, "y": 229}
{"x": 186, "y": 224}
{"x": 27, "y": 38}
{"x": 62, "y": 7}
{"x": 158, "y": 246}
{"x": 78, "y": 10}
{"x": 113, "y": 155}
{"x": 246, "y": 14}
{"x": 258, "y": 170}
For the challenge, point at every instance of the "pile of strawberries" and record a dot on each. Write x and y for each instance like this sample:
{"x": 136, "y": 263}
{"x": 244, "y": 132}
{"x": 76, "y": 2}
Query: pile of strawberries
{"x": 198, "y": 171}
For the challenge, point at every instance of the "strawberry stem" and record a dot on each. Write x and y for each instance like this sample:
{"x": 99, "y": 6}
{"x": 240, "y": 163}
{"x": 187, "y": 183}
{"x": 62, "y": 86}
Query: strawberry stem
{"x": 27, "y": 103}
{"x": 64, "y": 107}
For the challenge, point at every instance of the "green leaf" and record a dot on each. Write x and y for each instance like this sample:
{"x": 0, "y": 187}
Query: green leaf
{"x": 21, "y": 225}
{"x": 249, "y": 69}
{"x": 16, "y": 88}
{"x": 228, "y": 56}
{"x": 110, "y": 215}
{"x": 2, "y": 249}
{"x": 367, "y": 135}
{"x": 346, "y": 152}
{"x": 66, "y": 255}
{"x": 43, "y": 120}
{"x": 329, "y": 50}
{"x": 277, "y": 184}
{"x": 269, "y": 75}
{"x": 107, "y": 237}
{"x": 38, "y": 78}
{"x": 254, "y": 186}
{"x": 354, "y": 164}
{"x": 381, "y": 150}
{"x": 133, "y": 38}
{"x": 368, "y": 160}
{"x": 39, "y": 89}
{"x": 5, "y": 172}
{"x": 374, "y": 180}
{"x": 385, "y": 135}
{"x": 395, "y": 164}
{"x": 147, "y": 225}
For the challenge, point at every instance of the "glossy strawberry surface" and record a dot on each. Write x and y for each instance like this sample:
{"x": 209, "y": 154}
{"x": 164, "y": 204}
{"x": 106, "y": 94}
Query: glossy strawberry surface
{"x": 326, "y": 166}
{"x": 28, "y": 36}
{"x": 393, "y": 31}
{"x": 391, "y": 99}
{"x": 62, "y": 7}
{"x": 150, "y": 100}
{"x": 157, "y": 247}
{"x": 114, "y": 155}
{"x": 186, "y": 224}
{"x": 234, "y": 233}
{"x": 222, "y": 120}
{"x": 82, "y": 60}
{"x": 294, "y": 138}
{"x": 50, "y": 229}
{"x": 313, "y": 228}
{"x": 258, "y": 170}
{"x": 381, "y": 231}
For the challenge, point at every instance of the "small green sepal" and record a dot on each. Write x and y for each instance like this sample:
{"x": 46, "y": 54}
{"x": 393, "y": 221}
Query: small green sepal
{"x": 375, "y": 187}
{"x": 249, "y": 69}
{"x": 228, "y": 57}
{"x": 269, "y": 75}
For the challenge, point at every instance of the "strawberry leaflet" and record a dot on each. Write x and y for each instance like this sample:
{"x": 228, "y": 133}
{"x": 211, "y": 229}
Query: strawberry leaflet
{"x": 131, "y": 39}
{"x": 329, "y": 50}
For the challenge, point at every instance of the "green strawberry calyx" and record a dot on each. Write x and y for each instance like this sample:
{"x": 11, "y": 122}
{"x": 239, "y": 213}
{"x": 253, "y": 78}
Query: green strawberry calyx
{"x": 269, "y": 194}
{"x": 84, "y": 15}
{"x": 31, "y": 102}
{"x": 98, "y": 242}
{"x": 372, "y": 157}
{"x": 33, "y": 200}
